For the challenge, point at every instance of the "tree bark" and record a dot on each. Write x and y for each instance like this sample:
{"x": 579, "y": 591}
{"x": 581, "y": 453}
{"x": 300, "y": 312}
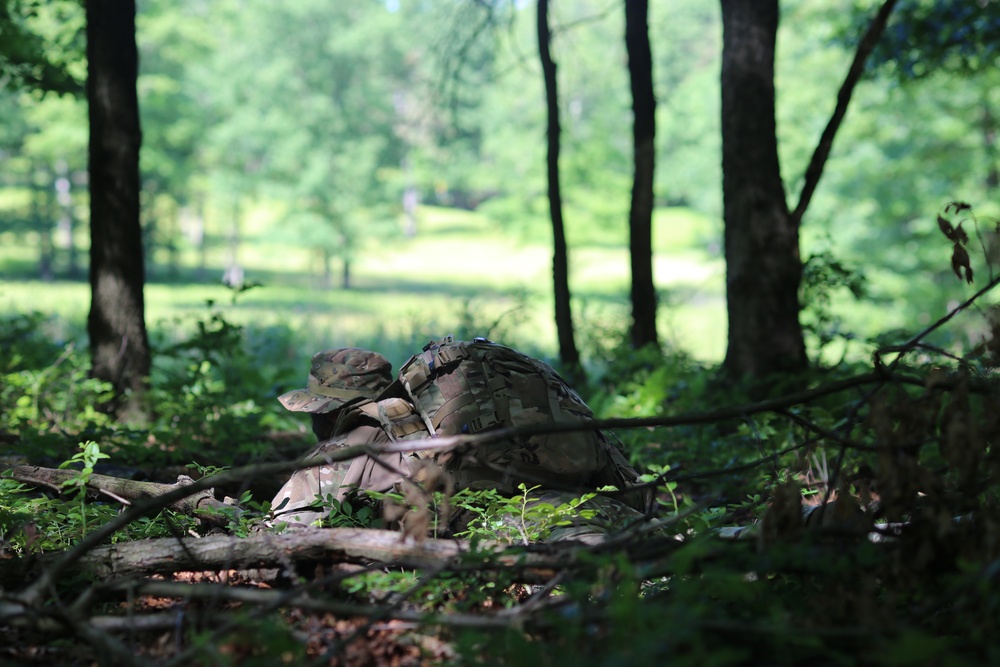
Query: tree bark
{"x": 212, "y": 552}
{"x": 116, "y": 325}
{"x": 568, "y": 353}
{"x": 763, "y": 265}
{"x": 265, "y": 550}
{"x": 640, "y": 66}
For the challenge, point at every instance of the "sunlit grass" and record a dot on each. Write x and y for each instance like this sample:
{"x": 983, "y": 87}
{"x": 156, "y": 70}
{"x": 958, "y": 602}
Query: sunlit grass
{"x": 460, "y": 271}
{"x": 464, "y": 274}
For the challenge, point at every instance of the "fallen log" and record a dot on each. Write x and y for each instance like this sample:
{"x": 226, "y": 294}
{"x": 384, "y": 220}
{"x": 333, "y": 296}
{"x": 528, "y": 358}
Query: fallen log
{"x": 265, "y": 550}
{"x": 128, "y": 490}
{"x": 283, "y": 551}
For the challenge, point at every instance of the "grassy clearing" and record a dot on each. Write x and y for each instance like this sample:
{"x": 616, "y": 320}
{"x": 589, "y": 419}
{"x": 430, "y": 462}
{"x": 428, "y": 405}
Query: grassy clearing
{"x": 462, "y": 273}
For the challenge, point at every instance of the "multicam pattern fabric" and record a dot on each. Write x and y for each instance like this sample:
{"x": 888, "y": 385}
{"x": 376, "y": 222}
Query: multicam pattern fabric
{"x": 294, "y": 502}
{"x": 340, "y": 376}
{"x": 370, "y": 422}
{"x": 455, "y": 388}
{"x": 470, "y": 387}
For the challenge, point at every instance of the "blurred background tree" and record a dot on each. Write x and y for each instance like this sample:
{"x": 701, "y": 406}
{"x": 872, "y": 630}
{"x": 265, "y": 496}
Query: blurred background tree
{"x": 321, "y": 137}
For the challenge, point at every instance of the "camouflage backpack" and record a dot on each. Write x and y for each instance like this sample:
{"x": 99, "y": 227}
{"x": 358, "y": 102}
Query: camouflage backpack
{"x": 469, "y": 387}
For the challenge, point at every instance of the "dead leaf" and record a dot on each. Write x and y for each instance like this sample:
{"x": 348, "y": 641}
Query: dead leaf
{"x": 960, "y": 262}
{"x": 946, "y": 228}
{"x": 961, "y": 236}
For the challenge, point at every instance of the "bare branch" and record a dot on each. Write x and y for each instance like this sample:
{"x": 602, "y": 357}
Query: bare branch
{"x": 815, "y": 169}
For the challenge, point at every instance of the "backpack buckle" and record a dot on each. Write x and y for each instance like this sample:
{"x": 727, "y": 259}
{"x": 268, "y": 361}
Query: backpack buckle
{"x": 480, "y": 423}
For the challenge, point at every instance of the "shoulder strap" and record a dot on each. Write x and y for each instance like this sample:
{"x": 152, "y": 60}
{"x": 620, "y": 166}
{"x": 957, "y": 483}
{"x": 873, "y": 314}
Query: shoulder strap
{"x": 397, "y": 418}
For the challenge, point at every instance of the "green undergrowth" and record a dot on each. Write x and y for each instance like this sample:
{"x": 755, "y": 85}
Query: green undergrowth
{"x": 851, "y": 526}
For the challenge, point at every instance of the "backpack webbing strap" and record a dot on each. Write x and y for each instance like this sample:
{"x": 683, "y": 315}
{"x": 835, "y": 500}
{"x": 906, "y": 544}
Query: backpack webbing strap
{"x": 500, "y": 392}
{"x": 555, "y": 410}
{"x": 445, "y": 353}
{"x": 414, "y": 376}
{"x": 453, "y": 404}
{"x": 418, "y": 374}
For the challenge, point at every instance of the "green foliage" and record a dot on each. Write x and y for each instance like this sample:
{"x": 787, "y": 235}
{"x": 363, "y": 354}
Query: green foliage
{"x": 245, "y": 517}
{"x": 249, "y": 132}
{"x": 211, "y": 391}
{"x": 211, "y": 394}
{"x": 42, "y": 44}
{"x": 473, "y": 321}
{"x": 823, "y": 275}
{"x": 248, "y": 640}
{"x": 486, "y": 518}
{"x": 926, "y": 36}
{"x": 88, "y": 456}
{"x": 345, "y": 514}
{"x": 725, "y": 601}
{"x": 45, "y": 389}
{"x": 31, "y": 523}
{"x": 24, "y": 338}
{"x": 484, "y": 515}
{"x": 521, "y": 519}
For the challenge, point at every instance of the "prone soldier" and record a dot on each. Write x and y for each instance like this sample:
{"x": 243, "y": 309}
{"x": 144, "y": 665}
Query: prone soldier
{"x": 452, "y": 387}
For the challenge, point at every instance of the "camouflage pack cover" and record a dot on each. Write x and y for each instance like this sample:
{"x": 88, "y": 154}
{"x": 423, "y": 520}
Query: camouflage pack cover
{"x": 473, "y": 386}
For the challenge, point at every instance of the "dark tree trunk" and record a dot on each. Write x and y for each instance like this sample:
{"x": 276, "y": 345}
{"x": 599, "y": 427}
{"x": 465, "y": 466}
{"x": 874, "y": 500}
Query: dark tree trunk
{"x": 119, "y": 345}
{"x": 568, "y": 354}
{"x": 640, "y": 67}
{"x": 763, "y": 266}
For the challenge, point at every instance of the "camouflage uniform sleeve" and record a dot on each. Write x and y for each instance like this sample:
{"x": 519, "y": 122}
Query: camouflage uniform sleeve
{"x": 294, "y": 502}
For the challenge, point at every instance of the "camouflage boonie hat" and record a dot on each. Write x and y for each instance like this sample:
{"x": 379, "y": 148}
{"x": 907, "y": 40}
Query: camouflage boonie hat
{"x": 339, "y": 376}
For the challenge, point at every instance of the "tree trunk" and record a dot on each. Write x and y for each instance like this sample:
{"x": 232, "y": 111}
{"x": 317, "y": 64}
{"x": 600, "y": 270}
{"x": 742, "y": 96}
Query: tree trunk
{"x": 200, "y": 241}
{"x": 640, "y": 67}
{"x": 763, "y": 266}
{"x": 41, "y": 216}
{"x": 117, "y": 329}
{"x": 67, "y": 223}
{"x": 568, "y": 354}
{"x": 233, "y": 275}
